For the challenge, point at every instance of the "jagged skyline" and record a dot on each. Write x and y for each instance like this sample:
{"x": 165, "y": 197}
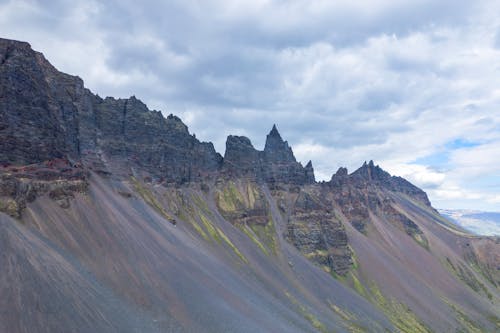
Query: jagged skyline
{"x": 412, "y": 87}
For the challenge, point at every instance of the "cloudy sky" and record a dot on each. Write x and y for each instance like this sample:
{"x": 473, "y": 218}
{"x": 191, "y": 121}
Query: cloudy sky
{"x": 413, "y": 85}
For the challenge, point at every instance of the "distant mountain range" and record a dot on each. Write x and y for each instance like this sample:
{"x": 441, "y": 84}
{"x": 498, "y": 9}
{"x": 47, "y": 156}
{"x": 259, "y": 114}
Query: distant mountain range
{"x": 477, "y": 222}
{"x": 114, "y": 218}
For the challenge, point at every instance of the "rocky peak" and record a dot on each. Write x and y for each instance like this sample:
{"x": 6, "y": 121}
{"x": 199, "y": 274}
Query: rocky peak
{"x": 236, "y": 143}
{"x": 241, "y": 158}
{"x": 274, "y": 133}
{"x": 309, "y": 173}
{"x": 371, "y": 172}
{"x": 276, "y": 164}
{"x": 276, "y": 149}
{"x": 174, "y": 122}
{"x": 341, "y": 172}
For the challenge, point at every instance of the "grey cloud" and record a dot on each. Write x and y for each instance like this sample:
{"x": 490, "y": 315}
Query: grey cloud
{"x": 497, "y": 39}
{"x": 379, "y": 99}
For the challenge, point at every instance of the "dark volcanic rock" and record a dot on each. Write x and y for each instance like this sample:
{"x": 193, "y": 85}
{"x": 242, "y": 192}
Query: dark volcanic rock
{"x": 277, "y": 150}
{"x": 276, "y": 164}
{"x": 315, "y": 231}
{"x": 46, "y": 114}
{"x": 280, "y": 165}
{"x": 29, "y": 129}
{"x": 241, "y": 158}
{"x": 309, "y": 170}
{"x": 131, "y": 134}
{"x": 368, "y": 172}
{"x": 364, "y": 192}
{"x": 58, "y": 179}
{"x": 242, "y": 203}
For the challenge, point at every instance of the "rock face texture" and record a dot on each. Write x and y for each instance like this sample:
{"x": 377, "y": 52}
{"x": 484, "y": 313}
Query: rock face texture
{"x": 47, "y": 114}
{"x": 30, "y": 130}
{"x": 275, "y": 164}
{"x": 57, "y": 177}
{"x": 315, "y": 231}
{"x": 369, "y": 173}
{"x": 359, "y": 194}
{"x": 243, "y": 204}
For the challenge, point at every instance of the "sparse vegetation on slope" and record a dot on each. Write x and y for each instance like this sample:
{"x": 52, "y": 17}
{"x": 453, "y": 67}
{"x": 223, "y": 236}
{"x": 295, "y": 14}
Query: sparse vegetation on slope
{"x": 399, "y": 314}
{"x": 307, "y": 314}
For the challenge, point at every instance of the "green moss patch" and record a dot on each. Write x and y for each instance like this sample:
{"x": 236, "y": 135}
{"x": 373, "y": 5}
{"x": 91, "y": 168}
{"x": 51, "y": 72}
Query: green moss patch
{"x": 229, "y": 199}
{"x": 148, "y": 196}
{"x": 398, "y": 313}
{"x": 468, "y": 277}
{"x": 250, "y": 233}
{"x": 318, "y": 325}
{"x": 350, "y": 320}
{"x": 266, "y": 234}
{"x": 468, "y": 325}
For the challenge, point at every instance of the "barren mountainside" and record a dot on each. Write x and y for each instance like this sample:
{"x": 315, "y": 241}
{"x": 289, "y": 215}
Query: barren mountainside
{"x": 114, "y": 218}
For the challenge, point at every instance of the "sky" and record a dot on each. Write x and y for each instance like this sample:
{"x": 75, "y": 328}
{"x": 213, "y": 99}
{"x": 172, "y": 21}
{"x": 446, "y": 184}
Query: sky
{"x": 413, "y": 85}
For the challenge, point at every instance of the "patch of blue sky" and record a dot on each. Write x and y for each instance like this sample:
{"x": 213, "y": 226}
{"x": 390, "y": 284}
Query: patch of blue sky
{"x": 440, "y": 159}
{"x": 460, "y": 143}
{"x": 436, "y": 161}
{"x": 489, "y": 182}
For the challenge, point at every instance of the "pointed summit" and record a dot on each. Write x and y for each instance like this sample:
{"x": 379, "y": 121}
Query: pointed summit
{"x": 276, "y": 149}
{"x": 274, "y": 132}
{"x": 309, "y": 173}
{"x": 370, "y": 171}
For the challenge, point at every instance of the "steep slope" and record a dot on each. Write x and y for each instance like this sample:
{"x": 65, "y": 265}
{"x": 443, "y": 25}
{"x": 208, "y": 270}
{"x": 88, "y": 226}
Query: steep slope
{"x": 116, "y": 219}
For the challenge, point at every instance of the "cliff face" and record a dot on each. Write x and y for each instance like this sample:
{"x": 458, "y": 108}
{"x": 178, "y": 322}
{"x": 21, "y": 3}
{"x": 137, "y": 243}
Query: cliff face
{"x": 30, "y": 130}
{"x": 171, "y": 236}
{"x": 47, "y": 114}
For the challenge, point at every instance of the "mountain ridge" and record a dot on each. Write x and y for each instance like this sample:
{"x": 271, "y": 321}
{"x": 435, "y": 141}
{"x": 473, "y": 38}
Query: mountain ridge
{"x": 165, "y": 231}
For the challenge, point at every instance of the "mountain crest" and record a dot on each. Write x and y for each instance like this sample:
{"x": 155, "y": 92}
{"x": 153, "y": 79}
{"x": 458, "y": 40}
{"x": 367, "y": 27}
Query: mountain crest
{"x": 276, "y": 149}
{"x": 274, "y": 133}
{"x": 275, "y": 164}
{"x": 370, "y": 174}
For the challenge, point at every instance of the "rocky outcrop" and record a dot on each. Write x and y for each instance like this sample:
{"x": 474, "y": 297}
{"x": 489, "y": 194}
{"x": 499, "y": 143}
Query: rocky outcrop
{"x": 242, "y": 203}
{"x": 280, "y": 165}
{"x": 47, "y": 114}
{"x": 370, "y": 173}
{"x": 143, "y": 139}
{"x": 365, "y": 192}
{"x": 275, "y": 164}
{"x": 242, "y": 159}
{"x": 56, "y": 178}
{"x": 315, "y": 231}
{"x": 30, "y": 131}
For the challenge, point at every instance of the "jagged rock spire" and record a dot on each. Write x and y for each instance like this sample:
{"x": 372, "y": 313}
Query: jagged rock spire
{"x": 276, "y": 149}
{"x": 274, "y": 132}
{"x": 276, "y": 164}
{"x": 309, "y": 172}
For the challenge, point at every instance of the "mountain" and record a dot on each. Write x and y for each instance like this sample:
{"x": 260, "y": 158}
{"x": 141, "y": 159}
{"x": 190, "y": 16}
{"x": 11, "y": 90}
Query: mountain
{"x": 477, "y": 222}
{"x": 116, "y": 219}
